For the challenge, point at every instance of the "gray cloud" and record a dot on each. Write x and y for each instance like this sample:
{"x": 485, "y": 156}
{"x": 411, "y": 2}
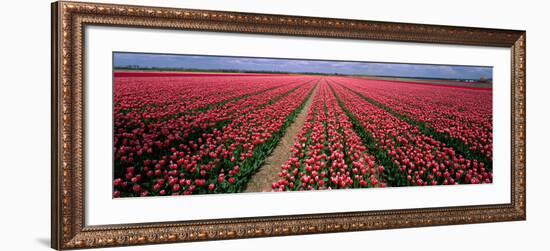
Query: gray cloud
{"x": 298, "y": 65}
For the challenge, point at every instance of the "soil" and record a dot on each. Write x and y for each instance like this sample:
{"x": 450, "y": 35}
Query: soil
{"x": 268, "y": 173}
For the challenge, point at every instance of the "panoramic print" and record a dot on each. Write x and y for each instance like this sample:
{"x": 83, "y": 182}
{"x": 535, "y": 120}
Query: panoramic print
{"x": 196, "y": 124}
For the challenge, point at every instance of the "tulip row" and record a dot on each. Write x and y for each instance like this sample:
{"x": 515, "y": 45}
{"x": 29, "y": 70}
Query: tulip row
{"x": 461, "y": 117}
{"x": 185, "y": 94}
{"x": 327, "y": 154}
{"x": 229, "y": 143}
{"x": 414, "y": 158}
{"x": 362, "y": 164}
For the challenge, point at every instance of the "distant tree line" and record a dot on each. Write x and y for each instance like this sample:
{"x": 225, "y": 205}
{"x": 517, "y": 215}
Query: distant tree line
{"x": 139, "y": 68}
{"x": 176, "y": 69}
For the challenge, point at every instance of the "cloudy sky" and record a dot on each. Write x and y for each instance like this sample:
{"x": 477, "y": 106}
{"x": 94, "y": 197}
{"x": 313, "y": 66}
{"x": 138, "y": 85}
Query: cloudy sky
{"x": 296, "y": 65}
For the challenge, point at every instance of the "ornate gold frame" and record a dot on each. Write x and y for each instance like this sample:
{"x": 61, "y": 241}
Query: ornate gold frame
{"x": 68, "y": 22}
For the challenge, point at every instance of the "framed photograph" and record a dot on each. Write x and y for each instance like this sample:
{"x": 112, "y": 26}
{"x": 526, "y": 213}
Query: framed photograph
{"x": 176, "y": 125}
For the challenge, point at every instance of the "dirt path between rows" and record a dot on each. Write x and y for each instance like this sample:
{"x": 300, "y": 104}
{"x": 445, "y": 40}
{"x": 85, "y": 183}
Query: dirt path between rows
{"x": 268, "y": 173}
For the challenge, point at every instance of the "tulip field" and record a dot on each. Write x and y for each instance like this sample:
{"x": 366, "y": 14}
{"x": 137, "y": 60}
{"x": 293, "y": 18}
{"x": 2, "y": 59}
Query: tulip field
{"x": 185, "y": 133}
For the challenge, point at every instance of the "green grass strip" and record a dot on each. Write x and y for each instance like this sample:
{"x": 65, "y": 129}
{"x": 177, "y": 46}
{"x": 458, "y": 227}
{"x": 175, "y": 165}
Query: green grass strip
{"x": 391, "y": 175}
